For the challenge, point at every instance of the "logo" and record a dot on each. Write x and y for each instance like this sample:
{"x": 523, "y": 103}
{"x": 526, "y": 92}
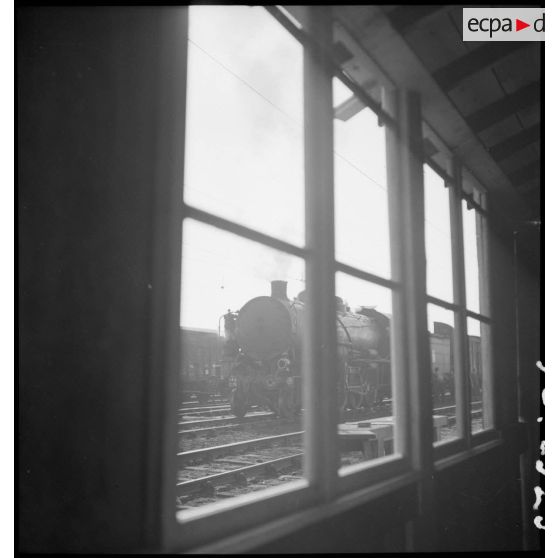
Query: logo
{"x": 503, "y": 24}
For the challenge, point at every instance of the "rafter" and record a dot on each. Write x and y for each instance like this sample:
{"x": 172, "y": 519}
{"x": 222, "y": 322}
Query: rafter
{"x": 511, "y": 145}
{"x": 486, "y": 55}
{"x": 403, "y": 17}
{"x": 504, "y": 107}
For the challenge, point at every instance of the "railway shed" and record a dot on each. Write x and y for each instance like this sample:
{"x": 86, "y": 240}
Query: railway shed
{"x": 401, "y": 168}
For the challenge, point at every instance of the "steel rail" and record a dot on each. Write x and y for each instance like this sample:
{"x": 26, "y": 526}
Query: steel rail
{"x": 239, "y": 426}
{"x": 227, "y": 420}
{"x": 185, "y": 488}
{"x": 227, "y": 449}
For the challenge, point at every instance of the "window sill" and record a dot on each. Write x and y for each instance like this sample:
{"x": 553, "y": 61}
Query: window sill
{"x": 463, "y": 456}
{"x": 263, "y": 534}
{"x": 196, "y": 527}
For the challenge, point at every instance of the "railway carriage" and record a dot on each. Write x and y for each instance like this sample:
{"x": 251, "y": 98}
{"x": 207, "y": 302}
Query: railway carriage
{"x": 204, "y": 370}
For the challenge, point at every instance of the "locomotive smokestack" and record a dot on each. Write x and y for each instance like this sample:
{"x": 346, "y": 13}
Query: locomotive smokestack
{"x": 279, "y": 290}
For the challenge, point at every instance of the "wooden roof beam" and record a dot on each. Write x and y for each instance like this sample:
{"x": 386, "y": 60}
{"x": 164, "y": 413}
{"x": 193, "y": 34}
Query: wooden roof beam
{"x": 508, "y": 105}
{"x": 452, "y": 74}
{"x": 513, "y": 144}
{"x": 403, "y": 18}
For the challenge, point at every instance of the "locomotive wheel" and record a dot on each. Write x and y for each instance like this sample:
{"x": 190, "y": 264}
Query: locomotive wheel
{"x": 342, "y": 397}
{"x": 371, "y": 397}
{"x": 239, "y": 406}
{"x": 355, "y": 399}
{"x": 286, "y": 403}
{"x": 273, "y": 403}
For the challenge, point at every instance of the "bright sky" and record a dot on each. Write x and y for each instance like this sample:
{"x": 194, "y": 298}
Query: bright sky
{"x": 244, "y": 162}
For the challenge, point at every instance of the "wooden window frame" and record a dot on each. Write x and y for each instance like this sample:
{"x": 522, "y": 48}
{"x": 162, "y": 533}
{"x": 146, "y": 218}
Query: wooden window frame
{"x": 325, "y": 486}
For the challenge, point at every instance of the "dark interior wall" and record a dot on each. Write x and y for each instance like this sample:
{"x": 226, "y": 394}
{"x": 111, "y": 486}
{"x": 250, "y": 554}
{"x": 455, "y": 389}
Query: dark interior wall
{"x": 516, "y": 296}
{"x": 516, "y": 303}
{"x": 478, "y": 504}
{"x": 377, "y": 526}
{"x": 531, "y": 379}
{"x": 93, "y": 120}
{"x": 476, "y": 508}
{"x": 502, "y": 305}
{"x": 529, "y": 273}
{"x": 90, "y": 109}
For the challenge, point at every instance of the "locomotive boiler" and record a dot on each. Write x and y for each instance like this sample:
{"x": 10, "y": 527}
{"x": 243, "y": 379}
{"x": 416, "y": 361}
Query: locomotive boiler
{"x": 265, "y": 340}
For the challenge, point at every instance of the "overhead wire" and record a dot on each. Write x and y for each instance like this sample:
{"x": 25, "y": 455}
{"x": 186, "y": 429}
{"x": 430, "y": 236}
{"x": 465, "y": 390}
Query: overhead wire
{"x": 298, "y": 126}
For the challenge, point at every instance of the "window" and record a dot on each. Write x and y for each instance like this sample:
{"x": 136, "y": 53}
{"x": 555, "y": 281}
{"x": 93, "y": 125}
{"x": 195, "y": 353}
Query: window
{"x": 310, "y": 324}
{"x": 368, "y": 422}
{"x": 246, "y": 115}
{"x": 459, "y": 317}
{"x": 441, "y": 331}
{"x": 441, "y": 319}
{"x": 478, "y": 338}
{"x": 361, "y": 200}
{"x": 439, "y": 276}
{"x": 367, "y": 400}
{"x": 478, "y": 311}
{"x": 240, "y": 429}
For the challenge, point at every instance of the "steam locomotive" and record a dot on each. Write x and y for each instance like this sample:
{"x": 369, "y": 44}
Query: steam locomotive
{"x": 258, "y": 360}
{"x": 265, "y": 339}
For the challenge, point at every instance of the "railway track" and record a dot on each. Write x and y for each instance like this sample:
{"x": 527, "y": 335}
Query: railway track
{"x": 210, "y": 473}
{"x": 206, "y": 399}
{"x": 205, "y": 412}
{"x": 215, "y": 472}
{"x": 198, "y": 422}
{"x": 213, "y": 431}
{"x": 196, "y": 418}
{"x": 207, "y": 474}
{"x": 193, "y": 425}
{"x": 184, "y": 409}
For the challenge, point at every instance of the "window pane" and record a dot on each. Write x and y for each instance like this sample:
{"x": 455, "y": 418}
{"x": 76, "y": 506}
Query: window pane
{"x": 479, "y": 374}
{"x": 472, "y": 240}
{"x": 244, "y": 124}
{"x": 439, "y": 282}
{"x": 341, "y": 92}
{"x": 442, "y": 357}
{"x": 240, "y": 373}
{"x": 361, "y": 203}
{"x": 365, "y": 395}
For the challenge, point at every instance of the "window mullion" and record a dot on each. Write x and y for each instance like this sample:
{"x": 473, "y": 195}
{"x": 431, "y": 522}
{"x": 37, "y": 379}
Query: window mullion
{"x": 409, "y": 178}
{"x": 320, "y": 360}
{"x": 400, "y": 354}
{"x": 405, "y": 175}
{"x": 484, "y": 307}
{"x": 461, "y": 364}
